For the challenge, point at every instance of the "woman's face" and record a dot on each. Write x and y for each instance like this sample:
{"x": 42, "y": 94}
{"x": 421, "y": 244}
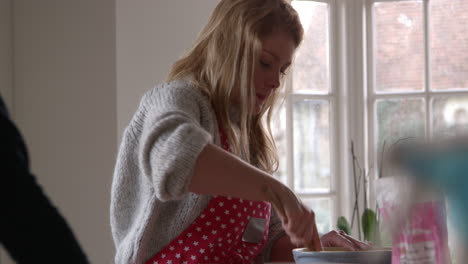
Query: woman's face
{"x": 274, "y": 59}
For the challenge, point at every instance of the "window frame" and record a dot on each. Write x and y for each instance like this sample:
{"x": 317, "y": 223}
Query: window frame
{"x": 334, "y": 106}
{"x": 426, "y": 94}
{"x": 353, "y": 100}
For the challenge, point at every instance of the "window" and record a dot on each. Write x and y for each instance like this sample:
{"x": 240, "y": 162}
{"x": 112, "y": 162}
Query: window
{"x": 370, "y": 72}
{"x": 304, "y": 126}
{"x": 419, "y": 81}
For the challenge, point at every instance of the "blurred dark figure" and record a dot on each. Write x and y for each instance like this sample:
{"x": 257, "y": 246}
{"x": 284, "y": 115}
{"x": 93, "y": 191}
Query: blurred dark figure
{"x": 31, "y": 228}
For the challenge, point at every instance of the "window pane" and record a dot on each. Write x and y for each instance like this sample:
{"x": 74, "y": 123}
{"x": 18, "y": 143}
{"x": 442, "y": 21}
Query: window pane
{"x": 311, "y": 145}
{"x": 450, "y": 115}
{"x": 278, "y": 127}
{"x": 322, "y": 210}
{"x": 399, "y": 46}
{"x": 449, "y": 41}
{"x": 398, "y": 119}
{"x": 311, "y": 66}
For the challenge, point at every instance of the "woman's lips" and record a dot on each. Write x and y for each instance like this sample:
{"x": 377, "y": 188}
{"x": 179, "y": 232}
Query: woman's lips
{"x": 261, "y": 97}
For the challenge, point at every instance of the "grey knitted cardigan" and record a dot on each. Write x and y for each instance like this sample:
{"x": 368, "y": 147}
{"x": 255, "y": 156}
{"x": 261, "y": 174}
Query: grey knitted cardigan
{"x": 150, "y": 201}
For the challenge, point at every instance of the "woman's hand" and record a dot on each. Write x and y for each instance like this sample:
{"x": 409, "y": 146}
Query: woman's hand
{"x": 341, "y": 239}
{"x": 297, "y": 219}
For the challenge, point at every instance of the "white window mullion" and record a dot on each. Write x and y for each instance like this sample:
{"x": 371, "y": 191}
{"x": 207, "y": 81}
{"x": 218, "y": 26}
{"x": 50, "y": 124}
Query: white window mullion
{"x": 427, "y": 69}
{"x": 290, "y": 140}
{"x": 351, "y": 93}
{"x": 337, "y": 183}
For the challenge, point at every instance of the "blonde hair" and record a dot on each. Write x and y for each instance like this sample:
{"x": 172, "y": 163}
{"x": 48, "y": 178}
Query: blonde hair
{"x": 223, "y": 59}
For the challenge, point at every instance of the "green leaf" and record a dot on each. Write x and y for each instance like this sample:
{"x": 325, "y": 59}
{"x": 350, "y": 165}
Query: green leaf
{"x": 369, "y": 225}
{"x": 342, "y": 224}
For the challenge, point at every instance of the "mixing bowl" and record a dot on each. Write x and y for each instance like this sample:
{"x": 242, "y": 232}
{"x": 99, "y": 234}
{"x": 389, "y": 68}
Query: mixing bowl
{"x": 340, "y": 255}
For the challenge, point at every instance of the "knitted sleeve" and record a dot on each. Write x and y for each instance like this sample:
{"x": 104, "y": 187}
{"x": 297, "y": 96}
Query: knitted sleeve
{"x": 172, "y": 138}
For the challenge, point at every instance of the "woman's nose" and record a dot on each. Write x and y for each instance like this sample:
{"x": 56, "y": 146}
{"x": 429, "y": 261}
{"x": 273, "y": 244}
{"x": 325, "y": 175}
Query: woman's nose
{"x": 274, "y": 80}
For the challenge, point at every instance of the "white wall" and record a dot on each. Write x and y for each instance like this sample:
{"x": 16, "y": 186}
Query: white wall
{"x": 6, "y": 71}
{"x": 80, "y": 69}
{"x": 151, "y": 35}
{"x": 65, "y": 105}
{"x": 6, "y": 74}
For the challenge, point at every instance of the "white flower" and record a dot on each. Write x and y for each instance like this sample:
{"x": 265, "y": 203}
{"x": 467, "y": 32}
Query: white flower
{"x": 212, "y": 210}
{"x": 163, "y": 255}
{"x": 250, "y": 203}
{"x": 229, "y": 241}
{"x": 189, "y": 234}
{"x": 232, "y": 221}
{"x": 186, "y": 248}
{"x": 237, "y": 229}
{"x": 202, "y": 251}
{"x": 155, "y": 262}
{"x": 180, "y": 241}
{"x": 226, "y": 212}
{"x": 229, "y": 234}
{"x": 234, "y": 206}
{"x": 177, "y": 255}
{"x": 220, "y": 239}
{"x": 208, "y": 223}
{"x": 218, "y": 218}
{"x": 169, "y": 262}
{"x": 205, "y": 237}
{"x": 223, "y": 226}
{"x": 214, "y": 232}
{"x": 221, "y": 204}
{"x": 171, "y": 248}
{"x": 211, "y": 245}
{"x": 258, "y": 205}
{"x": 193, "y": 257}
{"x": 195, "y": 243}
{"x": 216, "y": 258}
{"x": 239, "y": 214}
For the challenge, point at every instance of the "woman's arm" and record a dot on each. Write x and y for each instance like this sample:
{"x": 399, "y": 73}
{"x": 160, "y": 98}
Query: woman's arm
{"x": 282, "y": 250}
{"x": 218, "y": 172}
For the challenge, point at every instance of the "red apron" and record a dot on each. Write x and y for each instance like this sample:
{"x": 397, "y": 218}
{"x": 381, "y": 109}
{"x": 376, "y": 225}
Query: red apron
{"x": 216, "y": 235}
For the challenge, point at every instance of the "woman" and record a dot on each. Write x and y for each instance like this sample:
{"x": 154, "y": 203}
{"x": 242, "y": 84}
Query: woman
{"x": 192, "y": 182}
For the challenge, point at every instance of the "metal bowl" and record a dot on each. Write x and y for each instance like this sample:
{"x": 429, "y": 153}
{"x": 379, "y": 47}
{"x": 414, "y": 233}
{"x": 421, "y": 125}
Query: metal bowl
{"x": 339, "y": 255}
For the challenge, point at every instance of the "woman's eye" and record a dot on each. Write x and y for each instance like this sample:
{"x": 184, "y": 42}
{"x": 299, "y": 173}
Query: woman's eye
{"x": 264, "y": 64}
{"x": 284, "y": 71}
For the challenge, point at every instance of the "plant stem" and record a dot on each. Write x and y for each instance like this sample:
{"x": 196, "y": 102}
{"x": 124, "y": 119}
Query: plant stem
{"x": 356, "y": 192}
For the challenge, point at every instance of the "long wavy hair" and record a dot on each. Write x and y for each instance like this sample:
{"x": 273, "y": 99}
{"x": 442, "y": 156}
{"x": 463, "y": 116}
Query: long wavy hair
{"x": 223, "y": 59}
